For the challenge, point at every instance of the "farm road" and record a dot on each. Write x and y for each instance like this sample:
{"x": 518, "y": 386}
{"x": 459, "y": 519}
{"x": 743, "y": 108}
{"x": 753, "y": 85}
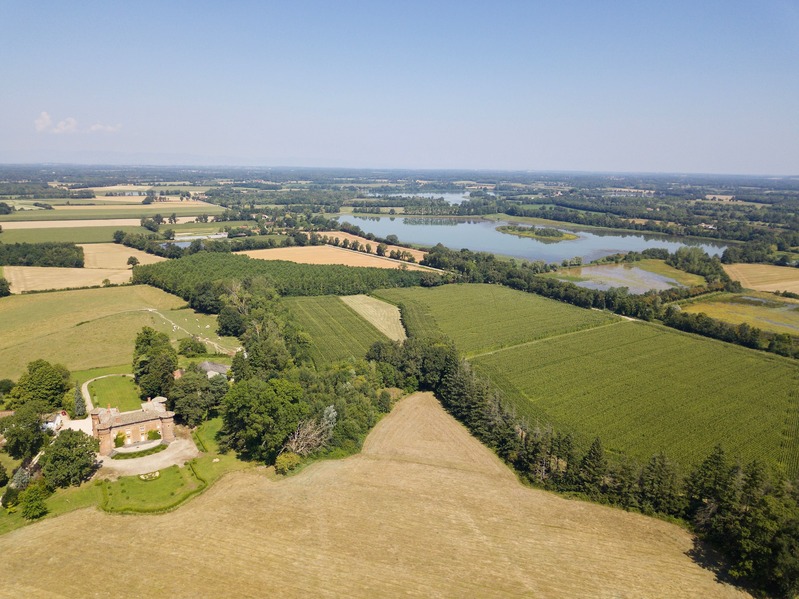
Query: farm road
{"x": 534, "y": 341}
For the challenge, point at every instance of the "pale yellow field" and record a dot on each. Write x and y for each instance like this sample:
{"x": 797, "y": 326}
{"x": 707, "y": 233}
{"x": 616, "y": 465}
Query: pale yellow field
{"x": 384, "y": 317}
{"x": 765, "y": 277}
{"x": 328, "y": 254}
{"x": 418, "y": 254}
{"x": 424, "y": 511}
{"x": 169, "y": 203}
{"x": 114, "y": 255}
{"x": 98, "y": 222}
{"x": 40, "y": 278}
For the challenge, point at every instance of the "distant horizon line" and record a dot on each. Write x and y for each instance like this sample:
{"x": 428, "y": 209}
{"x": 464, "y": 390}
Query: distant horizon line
{"x": 390, "y": 169}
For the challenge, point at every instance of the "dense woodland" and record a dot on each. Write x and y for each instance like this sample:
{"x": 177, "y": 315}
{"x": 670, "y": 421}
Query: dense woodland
{"x": 64, "y": 255}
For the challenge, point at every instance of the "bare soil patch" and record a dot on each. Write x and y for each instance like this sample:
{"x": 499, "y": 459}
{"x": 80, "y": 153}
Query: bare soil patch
{"x": 41, "y": 278}
{"x": 424, "y": 511}
{"x": 328, "y": 254}
{"x": 384, "y": 316}
{"x": 114, "y": 255}
{"x": 765, "y": 277}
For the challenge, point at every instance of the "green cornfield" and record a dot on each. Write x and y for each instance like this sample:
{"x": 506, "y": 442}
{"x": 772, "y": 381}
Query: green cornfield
{"x": 337, "y": 332}
{"x": 644, "y": 388}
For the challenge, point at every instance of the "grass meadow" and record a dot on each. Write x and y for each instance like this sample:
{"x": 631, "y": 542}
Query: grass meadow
{"x": 65, "y": 234}
{"x": 337, "y": 332}
{"x": 114, "y": 211}
{"x": 92, "y": 328}
{"x": 762, "y": 310}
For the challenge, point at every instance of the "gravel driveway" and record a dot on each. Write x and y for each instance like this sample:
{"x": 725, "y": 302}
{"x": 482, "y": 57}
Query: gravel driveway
{"x": 179, "y": 452}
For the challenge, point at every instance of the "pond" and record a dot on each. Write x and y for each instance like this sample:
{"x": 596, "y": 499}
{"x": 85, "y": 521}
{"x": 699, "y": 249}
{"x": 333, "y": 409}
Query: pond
{"x": 605, "y": 276}
{"x": 481, "y": 235}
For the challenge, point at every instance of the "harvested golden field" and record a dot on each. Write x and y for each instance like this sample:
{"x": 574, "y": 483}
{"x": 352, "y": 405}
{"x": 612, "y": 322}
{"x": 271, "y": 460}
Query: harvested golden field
{"x": 383, "y": 316}
{"x": 418, "y": 254}
{"x": 41, "y": 278}
{"x": 424, "y": 511}
{"x": 114, "y": 255}
{"x": 765, "y": 277}
{"x": 167, "y": 205}
{"x": 99, "y": 222}
{"x": 328, "y": 254}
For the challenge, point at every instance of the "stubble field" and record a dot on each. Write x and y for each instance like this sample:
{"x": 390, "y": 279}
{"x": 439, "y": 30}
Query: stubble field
{"x": 328, "y": 254}
{"x": 424, "y": 510}
{"x": 765, "y": 277}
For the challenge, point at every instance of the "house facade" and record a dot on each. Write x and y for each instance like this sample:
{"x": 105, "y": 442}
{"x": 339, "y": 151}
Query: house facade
{"x": 134, "y": 426}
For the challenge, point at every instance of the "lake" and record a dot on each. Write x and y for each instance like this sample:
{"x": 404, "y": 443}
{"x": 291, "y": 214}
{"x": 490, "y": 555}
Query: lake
{"x": 481, "y": 235}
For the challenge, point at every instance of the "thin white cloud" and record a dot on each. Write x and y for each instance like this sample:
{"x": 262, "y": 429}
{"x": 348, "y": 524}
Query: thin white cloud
{"x": 43, "y": 122}
{"x": 100, "y": 128}
{"x": 68, "y": 125}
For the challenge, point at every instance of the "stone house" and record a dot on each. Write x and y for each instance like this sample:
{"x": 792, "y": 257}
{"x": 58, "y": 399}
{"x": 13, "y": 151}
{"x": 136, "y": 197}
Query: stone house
{"x": 109, "y": 422}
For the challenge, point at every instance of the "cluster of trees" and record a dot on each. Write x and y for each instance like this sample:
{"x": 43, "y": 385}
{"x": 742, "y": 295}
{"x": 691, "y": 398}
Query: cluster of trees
{"x": 154, "y": 363}
{"x": 50, "y": 253}
{"x": 200, "y": 277}
{"x": 5, "y": 287}
{"x": 67, "y": 460}
{"x": 750, "y": 515}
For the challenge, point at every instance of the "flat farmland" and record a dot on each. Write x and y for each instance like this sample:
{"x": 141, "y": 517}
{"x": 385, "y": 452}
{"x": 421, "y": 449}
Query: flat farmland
{"x": 91, "y": 234}
{"x": 424, "y": 510}
{"x": 384, "y": 316}
{"x": 44, "y": 278}
{"x": 765, "y": 277}
{"x": 481, "y": 318}
{"x": 92, "y": 328}
{"x": 114, "y": 255}
{"x": 85, "y": 212}
{"x": 644, "y": 388}
{"x": 758, "y": 309}
{"x": 80, "y": 223}
{"x": 327, "y": 254}
{"x": 337, "y": 331}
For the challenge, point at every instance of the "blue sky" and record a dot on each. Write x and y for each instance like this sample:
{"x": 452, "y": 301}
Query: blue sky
{"x": 601, "y": 86}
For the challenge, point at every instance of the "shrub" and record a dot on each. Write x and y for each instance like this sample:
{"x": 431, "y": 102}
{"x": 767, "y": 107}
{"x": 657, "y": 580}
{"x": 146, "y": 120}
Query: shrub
{"x": 21, "y": 479}
{"x": 31, "y": 502}
{"x": 153, "y": 435}
{"x": 10, "y": 497}
{"x": 286, "y": 462}
{"x": 119, "y": 440}
{"x": 191, "y": 346}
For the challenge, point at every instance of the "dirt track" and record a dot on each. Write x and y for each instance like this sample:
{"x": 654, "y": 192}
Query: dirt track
{"x": 424, "y": 511}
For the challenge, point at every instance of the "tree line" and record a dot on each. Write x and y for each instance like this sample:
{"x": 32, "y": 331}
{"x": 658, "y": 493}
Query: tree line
{"x": 50, "y": 253}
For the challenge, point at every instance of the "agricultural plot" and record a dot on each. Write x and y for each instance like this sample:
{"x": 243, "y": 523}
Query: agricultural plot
{"x": 459, "y": 523}
{"x": 762, "y": 310}
{"x": 341, "y": 235}
{"x": 80, "y": 222}
{"x": 328, "y": 254}
{"x": 384, "y": 316}
{"x": 114, "y": 211}
{"x": 92, "y": 328}
{"x": 765, "y": 277}
{"x": 337, "y": 331}
{"x": 482, "y": 318}
{"x": 114, "y": 255}
{"x": 44, "y": 278}
{"x": 644, "y": 388}
{"x": 66, "y": 233}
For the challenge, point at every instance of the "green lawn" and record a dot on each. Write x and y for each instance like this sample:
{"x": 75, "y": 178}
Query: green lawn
{"x": 117, "y": 391}
{"x": 132, "y": 494}
{"x": 337, "y": 332}
{"x": 481, "y": 318}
